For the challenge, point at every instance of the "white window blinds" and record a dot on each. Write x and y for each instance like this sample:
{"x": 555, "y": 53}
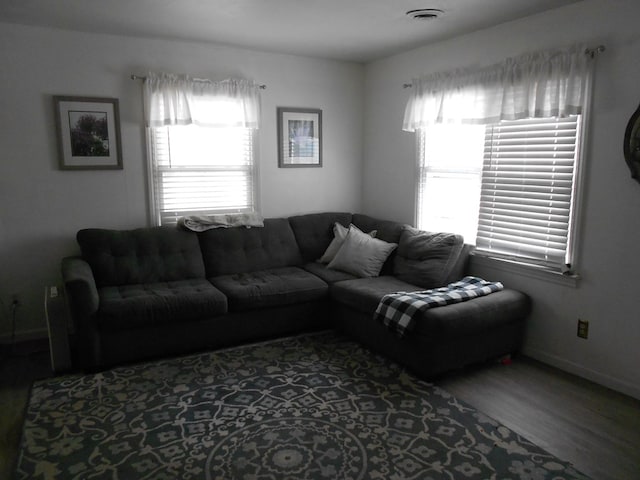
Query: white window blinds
{"x": 527, "y": 189}
{"x": 201, "y": 171}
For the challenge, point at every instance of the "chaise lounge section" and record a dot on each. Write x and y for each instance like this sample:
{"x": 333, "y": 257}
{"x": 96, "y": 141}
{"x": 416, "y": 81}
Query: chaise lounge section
{"x": 158, "y": 291}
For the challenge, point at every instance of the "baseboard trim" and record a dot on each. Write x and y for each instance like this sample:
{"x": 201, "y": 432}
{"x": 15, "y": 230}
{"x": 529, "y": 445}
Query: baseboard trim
{"x": 579, "y": 370}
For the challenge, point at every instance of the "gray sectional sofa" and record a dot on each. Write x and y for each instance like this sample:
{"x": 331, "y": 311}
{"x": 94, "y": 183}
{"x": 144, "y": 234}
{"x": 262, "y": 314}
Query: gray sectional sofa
{"x": 149, "y": 292}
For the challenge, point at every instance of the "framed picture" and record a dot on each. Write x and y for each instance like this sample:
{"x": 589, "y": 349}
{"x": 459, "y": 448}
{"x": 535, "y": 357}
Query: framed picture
{"x": 299, "y": 137}
{"x": 88, "y": 133}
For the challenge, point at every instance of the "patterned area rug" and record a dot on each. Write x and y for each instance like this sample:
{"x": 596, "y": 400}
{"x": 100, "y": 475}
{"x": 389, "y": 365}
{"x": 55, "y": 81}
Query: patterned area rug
{"x": 308, "y": 407}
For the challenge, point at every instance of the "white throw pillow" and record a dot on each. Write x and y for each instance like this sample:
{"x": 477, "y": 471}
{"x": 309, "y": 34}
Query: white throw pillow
{"x": 361, "y": 255}
{"x": 339, "y": 234}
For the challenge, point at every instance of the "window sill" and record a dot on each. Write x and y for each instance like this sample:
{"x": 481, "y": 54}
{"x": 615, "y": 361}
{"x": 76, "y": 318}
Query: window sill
{"x": 526, "y": 270}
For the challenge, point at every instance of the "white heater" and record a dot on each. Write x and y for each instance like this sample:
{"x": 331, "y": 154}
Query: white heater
{"x": 56, "y": 310}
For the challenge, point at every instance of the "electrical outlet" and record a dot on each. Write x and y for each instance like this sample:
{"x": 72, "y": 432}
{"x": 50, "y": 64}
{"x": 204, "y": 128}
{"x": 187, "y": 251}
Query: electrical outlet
{"x": 583, "y": 328}
{"x": 15, "y": 299}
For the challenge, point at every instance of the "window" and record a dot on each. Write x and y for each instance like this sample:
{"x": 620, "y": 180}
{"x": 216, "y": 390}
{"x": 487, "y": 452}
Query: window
{"x": 449, "y": 174}
{"x": 499, "y": 154}
{"x": 201, "y": 171}
{"x": 508, "y": 188}
{"x": 201, "y": 145}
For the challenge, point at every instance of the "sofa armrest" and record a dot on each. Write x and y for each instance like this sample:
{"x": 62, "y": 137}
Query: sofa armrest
{"x": 80, "y": 287}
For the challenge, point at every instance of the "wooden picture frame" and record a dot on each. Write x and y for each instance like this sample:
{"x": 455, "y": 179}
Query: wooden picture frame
{"x": 88, "y": 131}
{"x": 299, "y": 137}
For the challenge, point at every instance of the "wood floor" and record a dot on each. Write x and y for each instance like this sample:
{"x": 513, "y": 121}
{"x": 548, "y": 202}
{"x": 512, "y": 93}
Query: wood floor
{"x": 17, "y": 373}
{"x": 594, "y": 428}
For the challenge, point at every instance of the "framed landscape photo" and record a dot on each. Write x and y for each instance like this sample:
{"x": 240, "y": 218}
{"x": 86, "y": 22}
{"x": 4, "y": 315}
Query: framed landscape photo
{"x": 299, "y": 137}
{"x": 88, "y": 133}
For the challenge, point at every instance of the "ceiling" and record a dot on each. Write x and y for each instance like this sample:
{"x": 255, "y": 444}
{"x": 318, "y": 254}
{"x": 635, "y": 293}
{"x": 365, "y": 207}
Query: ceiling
{"x": 354, "y": 30}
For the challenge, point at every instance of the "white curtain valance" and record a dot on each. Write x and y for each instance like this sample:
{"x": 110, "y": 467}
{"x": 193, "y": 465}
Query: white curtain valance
{"x": 543, "y": 84}
{"x": 181, "y": 100}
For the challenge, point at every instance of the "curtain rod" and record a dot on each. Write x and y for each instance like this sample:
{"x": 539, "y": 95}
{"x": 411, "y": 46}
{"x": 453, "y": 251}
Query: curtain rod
{"x": 138, "y": 77}
{"x": 592, "y": 52}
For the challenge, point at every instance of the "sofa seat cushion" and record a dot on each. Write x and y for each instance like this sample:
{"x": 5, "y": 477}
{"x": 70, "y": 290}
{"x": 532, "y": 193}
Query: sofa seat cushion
{"x": 465, "y": 318}
{"x": 327, "y": 274}
{"x": 364, "y": 294}
{"x": 150, "y": 304}
{"x": 476, "y": 315}
{"x": 270, "y": 288}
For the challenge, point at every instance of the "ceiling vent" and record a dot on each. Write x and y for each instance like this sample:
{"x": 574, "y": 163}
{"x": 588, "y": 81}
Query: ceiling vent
{"x": 425, "y": 13}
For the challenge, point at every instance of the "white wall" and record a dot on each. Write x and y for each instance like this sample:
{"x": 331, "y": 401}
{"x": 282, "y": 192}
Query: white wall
{"x": 609, "y": 264}
{"x": 42, "y": 207}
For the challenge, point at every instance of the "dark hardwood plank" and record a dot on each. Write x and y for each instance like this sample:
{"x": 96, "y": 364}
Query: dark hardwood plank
{"x": 595, "y": 428}
{"x": 18, "y": 370}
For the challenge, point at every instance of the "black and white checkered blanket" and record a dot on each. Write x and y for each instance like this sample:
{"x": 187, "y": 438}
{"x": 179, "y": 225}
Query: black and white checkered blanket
{"x": 398, "y": 311}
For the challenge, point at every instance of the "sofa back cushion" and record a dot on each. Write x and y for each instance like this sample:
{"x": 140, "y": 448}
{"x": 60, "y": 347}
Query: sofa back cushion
{"x": 429, "y": 260}
{"x": 227, "y": 251}
{"x": 314, "y": 232}
{"x": 386, "y": 230}
{"x": 143, "y": 255}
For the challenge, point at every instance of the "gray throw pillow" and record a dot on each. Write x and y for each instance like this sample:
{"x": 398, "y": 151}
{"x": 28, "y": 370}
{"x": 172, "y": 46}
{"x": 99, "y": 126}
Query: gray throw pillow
{"x": 339, "y": 234}
{"x": 427, "y": 259}
{"x": 361, "y": 255}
